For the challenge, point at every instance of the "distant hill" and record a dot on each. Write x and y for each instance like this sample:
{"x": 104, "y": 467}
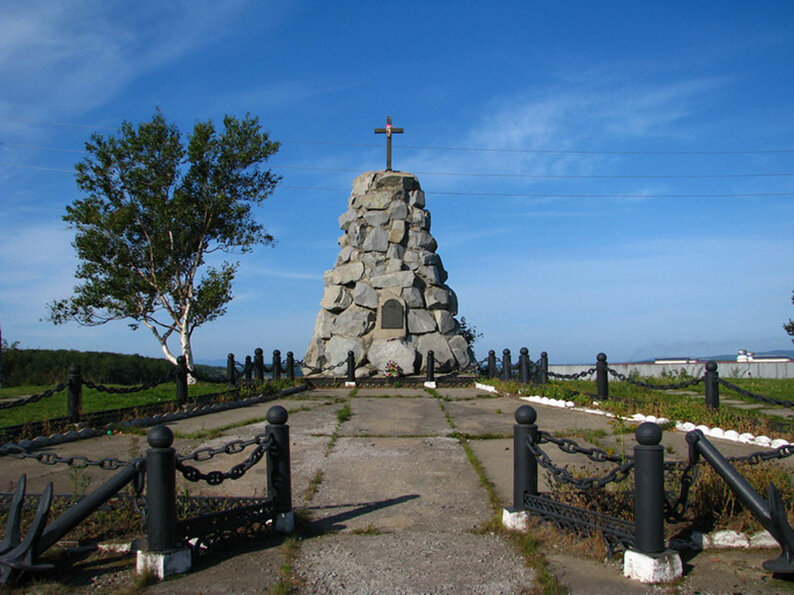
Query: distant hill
{"x": 51, "y": 366}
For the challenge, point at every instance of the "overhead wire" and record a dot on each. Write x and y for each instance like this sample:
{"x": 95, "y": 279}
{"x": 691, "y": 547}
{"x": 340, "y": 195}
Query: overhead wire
{"x": 471, "y": 149}
{"x": 494, "y": 175}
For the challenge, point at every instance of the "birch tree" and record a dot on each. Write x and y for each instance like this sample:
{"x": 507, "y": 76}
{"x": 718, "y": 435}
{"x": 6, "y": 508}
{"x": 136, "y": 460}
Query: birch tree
{"x": 154, "y": 209}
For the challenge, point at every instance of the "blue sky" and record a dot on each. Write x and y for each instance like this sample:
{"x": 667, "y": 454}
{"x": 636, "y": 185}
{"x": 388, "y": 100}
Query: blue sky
{"x": 626, "y": 184}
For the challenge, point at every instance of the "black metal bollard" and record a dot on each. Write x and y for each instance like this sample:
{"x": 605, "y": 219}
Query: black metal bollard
{"x": 161, "y": 490}
{"x": 523, "y": 365}
{"x": 231, "y": 373}
{"x": 507, "y": 367}
{"x": 525, "y": 466}
{"x": 543, "y": 374}
{"x": 180, "y": 377}
{"x": 290, "y": 366}
{"x": 602, "y": 378}
{"x": 712, "y": 385}
{"x": 248, "y": 369}
{"x": 351, "y": 366}
{"x": 276, "y": 364}
{"x": 491, "y": 364}
{"x": 259, "y": 364}
{"x": 649, "y": 489}
{"x": 431, "y": 366}
{"x": 279, "y": 482}
{"x": 75, "y": 393}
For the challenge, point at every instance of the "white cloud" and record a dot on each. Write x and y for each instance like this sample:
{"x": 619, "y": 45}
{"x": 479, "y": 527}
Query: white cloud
{"x": 68, "y": 57}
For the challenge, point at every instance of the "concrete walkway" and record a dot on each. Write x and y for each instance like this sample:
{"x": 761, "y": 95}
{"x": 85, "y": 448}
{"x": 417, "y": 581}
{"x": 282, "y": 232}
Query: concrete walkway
{"x": 391, "y": 503}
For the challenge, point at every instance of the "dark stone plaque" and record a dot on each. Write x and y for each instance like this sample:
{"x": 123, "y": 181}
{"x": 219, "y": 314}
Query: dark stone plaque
{"x": 392, "y": 315}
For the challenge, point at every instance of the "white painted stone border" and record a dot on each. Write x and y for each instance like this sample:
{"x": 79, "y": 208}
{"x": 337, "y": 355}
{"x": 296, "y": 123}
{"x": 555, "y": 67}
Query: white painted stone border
{"x": 681, "y": 426}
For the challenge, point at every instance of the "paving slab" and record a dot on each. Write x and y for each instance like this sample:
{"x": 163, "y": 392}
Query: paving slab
{"x": 399, "y": 484}
{"x": 463, "y": 394}
{"x": 400, "y": 416}
{"x": 484, "y": 416}
{"x": 390, "y": 391}
{"x": 416, "y": 562}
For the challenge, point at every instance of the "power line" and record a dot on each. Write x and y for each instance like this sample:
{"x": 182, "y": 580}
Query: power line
{"x": 39, "y": 147}
{"x": 498, "y": 175}
{"x": 560, "y": 176}
{"x": 498, "y": 194}
{"x": 558, "y": 195}
{"x": 545, "y": 151}
{"x": 466, "y": 149}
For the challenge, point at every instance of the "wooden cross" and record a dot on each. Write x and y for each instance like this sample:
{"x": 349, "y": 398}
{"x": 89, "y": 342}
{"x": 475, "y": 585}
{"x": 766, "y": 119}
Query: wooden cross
{"x": 388, "y": 131}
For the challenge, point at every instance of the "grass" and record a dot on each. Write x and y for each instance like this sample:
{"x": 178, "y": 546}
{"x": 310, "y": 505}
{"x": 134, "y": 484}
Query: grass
{"x": 313, "y": 486}
{"x": 627, "y": 399}
{"x": 288, "y": 582}
{"x": 92, "y": 401}
{"x": 344, "y": 414}
{"x": 368, "y": 530}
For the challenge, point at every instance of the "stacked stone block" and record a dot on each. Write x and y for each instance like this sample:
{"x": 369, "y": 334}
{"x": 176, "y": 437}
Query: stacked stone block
{"x": 386, "y": 298}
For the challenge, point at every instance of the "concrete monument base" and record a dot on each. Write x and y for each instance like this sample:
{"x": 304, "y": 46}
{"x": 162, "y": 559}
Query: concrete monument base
{"x": 164, "y": 564}
{"x": 515, "y": 519}
{"x": 652, "y": 568}
{"x": 285, "y": 522}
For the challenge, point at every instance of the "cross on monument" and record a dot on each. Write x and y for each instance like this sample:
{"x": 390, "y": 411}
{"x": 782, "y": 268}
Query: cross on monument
{"x": 388, "y": 131}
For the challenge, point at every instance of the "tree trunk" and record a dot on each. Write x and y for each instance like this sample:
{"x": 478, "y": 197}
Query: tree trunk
{"x": 187, "y": 351}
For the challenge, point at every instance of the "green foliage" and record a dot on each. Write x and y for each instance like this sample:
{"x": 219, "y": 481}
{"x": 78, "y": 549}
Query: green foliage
{"x": 344, "y": 414}
{"x": 153, "y": 209}
{"x": 44, "y": 366}
{"x": 468, "y": 331}
{"x": 627, "y": 399}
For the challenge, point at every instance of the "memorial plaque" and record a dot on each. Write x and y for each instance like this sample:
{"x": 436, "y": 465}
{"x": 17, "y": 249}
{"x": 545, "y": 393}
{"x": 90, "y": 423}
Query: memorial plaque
{"x": 392, "y": 315}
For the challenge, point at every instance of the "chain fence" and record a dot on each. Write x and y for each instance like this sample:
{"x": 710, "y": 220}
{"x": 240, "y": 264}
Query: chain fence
{"x": 209, "y": 379}
{"x": 50, "y": 458}
{"x": 264, "y": 442}
{"x": 129, "y": 390}
{"x": 319, "y": 370}
{"x": 597, "y": 455}
{"x": 756, "y": 396}
{"x": 33, "y": 398}
{"x": 584, "y": 374}
{"x": 676, "y": 386}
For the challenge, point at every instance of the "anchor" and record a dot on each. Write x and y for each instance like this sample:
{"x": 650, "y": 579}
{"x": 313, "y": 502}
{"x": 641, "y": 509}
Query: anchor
{"x": 771, "y": 513}
{"x": 18, "y": 557}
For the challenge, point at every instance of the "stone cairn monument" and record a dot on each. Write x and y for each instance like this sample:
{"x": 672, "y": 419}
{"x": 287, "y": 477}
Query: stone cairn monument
{"x": 386, "y": 298}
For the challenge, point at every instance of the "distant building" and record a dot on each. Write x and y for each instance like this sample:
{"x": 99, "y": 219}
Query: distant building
{"x": 749, "y": 356}
{"x": 676, "y": 360}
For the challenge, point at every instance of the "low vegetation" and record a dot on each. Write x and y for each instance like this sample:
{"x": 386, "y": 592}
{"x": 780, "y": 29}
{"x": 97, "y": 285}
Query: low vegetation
{"x": 626, "y": 399}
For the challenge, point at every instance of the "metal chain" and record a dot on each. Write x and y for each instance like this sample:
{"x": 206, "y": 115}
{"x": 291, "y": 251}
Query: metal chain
{"x": 573, "y": 376}
{"x": 199, "y": 376}
{"x": 677, "y": 386}
{"x": 135, "y": 389}
{"x": 596, "y": 455}
{"x": 264, "y": 441}
{"x": 781, "y": 452}
{"x": 50, "y": 458}
{"x": 303, "y": 364}
{"x": 562, "y": 475}
{"x": 674, "y": 510}
{"x": 139, "y": 496}
{"x": 747, "y": 393}
{"x": 33, "y": 398}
